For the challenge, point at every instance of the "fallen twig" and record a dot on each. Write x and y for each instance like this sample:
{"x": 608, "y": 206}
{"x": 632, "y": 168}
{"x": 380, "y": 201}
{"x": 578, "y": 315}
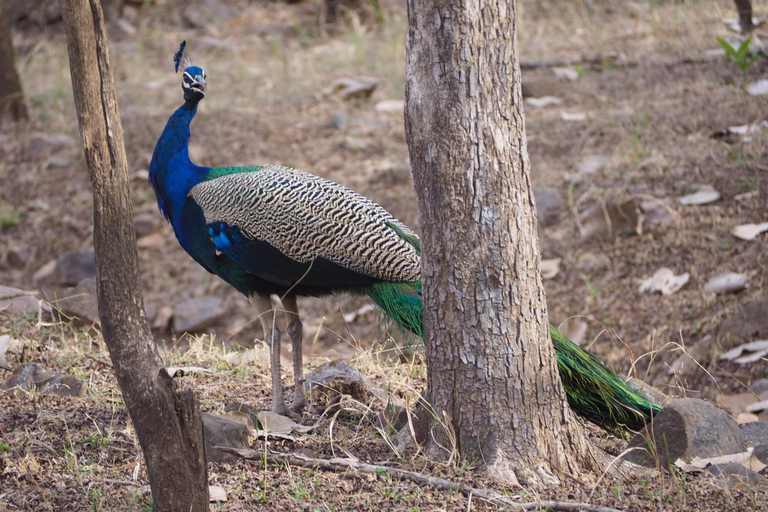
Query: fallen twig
{"x": 344, "y": 465}
{"x": 610, "y": 60}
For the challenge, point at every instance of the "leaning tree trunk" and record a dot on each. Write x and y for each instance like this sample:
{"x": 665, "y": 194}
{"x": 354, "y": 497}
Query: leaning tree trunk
{"x": 491, "y": 367}
{"x": 168, "y": 423}
{"x": 11, "y": 95}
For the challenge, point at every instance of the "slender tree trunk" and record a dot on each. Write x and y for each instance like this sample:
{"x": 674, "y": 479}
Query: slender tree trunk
{"x": 168, "y": 423}
{"x": 491, "y": 365}
{"x": 11, "y": 95}
{"x": 745, "y": 15}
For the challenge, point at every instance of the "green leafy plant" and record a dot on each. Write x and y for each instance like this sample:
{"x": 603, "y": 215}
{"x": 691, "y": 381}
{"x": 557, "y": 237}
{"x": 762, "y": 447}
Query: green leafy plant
{"x": 741, "y": 55}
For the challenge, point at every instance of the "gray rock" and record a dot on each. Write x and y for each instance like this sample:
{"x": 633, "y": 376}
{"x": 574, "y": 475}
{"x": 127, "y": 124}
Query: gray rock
{"x": 196, "y": 314}
{"x": 74, "y": 266}
{"x": 727, "y": 282}
{"x": 16, "y": 257}
{"x": 759, "y": 387}
{"x": 592, "y": 262}
{"x": 732, "y": 475}
{"x": 359, "y": 87}
{"x": 17, "y": 302}
{"x": 42, "y": 144}
{"x": 205, "y": 13}
{"x": 144, "y": 225}
{"x": 25, "y": 378}
{"x": 607, "y": 220}
{"x": 223, "y": 431}
{"x": 44, "y": 275}
{"x": 755, "y": 432}
{"x": 327, "y": 383}
{"x": 747, "y": 324}
{"x": 549, "y": 203}
{"x": 650, "y": 393}
{"x": 64, "y": 385}
{"x": 340, "y": 120}
{"x": 686, "y": 428}
{"x": 80, "y": 302}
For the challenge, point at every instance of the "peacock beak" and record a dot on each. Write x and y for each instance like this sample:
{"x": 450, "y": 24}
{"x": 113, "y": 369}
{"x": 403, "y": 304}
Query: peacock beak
{"x": 199, "y": 84}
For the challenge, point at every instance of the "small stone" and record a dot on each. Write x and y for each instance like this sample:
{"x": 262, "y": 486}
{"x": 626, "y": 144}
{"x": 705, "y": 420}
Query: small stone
{"x": 21, "y": 303}
{"x": 728, "y": 282}
{"x": 759, "y": 387}
{"x": 359, "y": 87}
{"x": 607, "y": 220}
{"x": 131, "y": 14}
{"x": 684, "y": 429}
{"x": 328, "y": 382}
{"x": 590, "y": 262}
{"x": 196, "y": 314}
{"x": 732, "y": 475}
{"x": 44, "y": 274}
{"x": 650, "y": 393}
{"x": 223, "y": 431}
{"x": 64, "y": 385}
{"x": 205, "y": 13}
{"x": 392, "y": 419}
{"x": 75, "y": 266}
{"x": 80, "y": 302}
{"x": 121, "y": 28}
{"x": 163, "y": 318}
{"x": 144, "y": 225}
{"x": 340, "y": 120}
{"x": 42, "y": 144}
{"x": 755, "y": 433}
{"x": 747, "y": 324}
{"x": 569, "y": 73}
{"x": 549, "y": 203}
{"x": 52, "y": 12}
{"x": 592, "y": 164}
{"x": 16, "y": 257}
{"x": 25, "y": 378}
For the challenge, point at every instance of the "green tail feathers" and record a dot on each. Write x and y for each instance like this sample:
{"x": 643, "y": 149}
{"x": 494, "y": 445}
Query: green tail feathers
{"x": 594, "y": 391}
{"x": 597, "y": 392}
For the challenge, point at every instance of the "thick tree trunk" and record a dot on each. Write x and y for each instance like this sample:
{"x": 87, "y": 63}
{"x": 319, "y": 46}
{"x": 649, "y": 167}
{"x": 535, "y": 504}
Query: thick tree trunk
{"x": 491, "y": 365}
{"x": 745, "y": 15}
{"x": 11, "y": 95}
{"x": 168, "y": 423}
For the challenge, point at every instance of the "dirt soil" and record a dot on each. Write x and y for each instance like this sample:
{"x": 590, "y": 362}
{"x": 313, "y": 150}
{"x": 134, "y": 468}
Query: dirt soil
{"x": 651, "y": 104}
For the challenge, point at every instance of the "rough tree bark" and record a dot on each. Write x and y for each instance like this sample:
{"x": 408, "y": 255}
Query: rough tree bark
{"x": 11, "y": 95}
{"x": 491, "y": 365}
{"x": 745, "y": 15}
{"x": 167, "y": 422}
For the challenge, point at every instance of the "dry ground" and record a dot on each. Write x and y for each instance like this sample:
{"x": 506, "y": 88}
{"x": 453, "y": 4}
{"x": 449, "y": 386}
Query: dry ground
{"x": 266, "y": 68}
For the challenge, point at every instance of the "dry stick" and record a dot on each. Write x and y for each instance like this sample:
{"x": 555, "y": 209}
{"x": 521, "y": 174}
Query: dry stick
{"x": 343, "y": 465}
{"x": 600, "y": 62}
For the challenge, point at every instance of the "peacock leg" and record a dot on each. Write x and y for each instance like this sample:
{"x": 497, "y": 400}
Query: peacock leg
{"x": 263, "y": 305}
{"x": 296, "y": 332}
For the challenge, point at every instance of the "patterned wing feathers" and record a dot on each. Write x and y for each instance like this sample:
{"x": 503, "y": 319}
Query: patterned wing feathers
{"x": 304, "y": 217}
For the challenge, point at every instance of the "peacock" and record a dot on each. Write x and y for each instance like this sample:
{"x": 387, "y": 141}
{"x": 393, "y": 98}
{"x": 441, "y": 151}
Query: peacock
{"x": 276, "y": 231}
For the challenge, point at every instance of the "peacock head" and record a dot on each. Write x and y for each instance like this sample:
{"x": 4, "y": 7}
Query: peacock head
{"x": 193, "y": 81}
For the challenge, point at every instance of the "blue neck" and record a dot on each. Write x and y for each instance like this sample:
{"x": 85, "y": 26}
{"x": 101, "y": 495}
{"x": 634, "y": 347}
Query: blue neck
{"x": 171, "y": 173}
